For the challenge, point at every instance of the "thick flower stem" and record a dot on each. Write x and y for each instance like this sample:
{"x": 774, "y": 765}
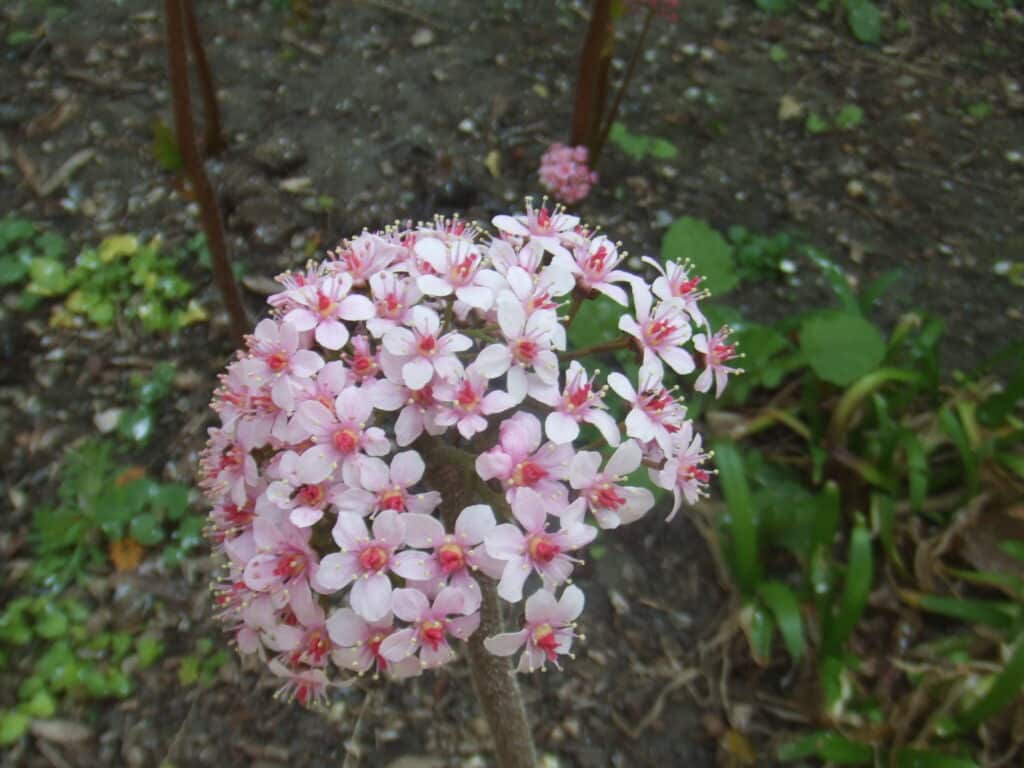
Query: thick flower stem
{"x": 592, "y": 75}
{"x": 452, "y": 473}
{"x": 214, "y": 136}
{"x": 497, "y": 690}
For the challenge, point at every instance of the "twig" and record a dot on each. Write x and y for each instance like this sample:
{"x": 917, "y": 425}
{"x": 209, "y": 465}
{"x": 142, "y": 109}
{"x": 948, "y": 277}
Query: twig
{"x": 685, "y": 677}
{"x": 214, "y": 133}
{"x": 213, "y": 226}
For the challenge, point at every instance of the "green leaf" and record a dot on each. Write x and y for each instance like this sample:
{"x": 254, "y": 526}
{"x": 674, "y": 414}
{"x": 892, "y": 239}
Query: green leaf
{"x": 741, "y": 526}
{"x": 922, "y": 758}
{"x": 786, "y": 609}
{"x": 188, "y": 672}
{"x": 836, "y": 279}
{"x": 42, "y": 704}
{"x": 51, "y": 622}
{"x": 917, "y": 470}
{"x": 828, "y": 746}
{"x": 136, "y": 425}
{"x": 815, "y": 123}
{"x": 850, "y": 116}
{"x": 865, "y": 21}
{"x": 990, "y": 613}
{"x": 663, "y": 149}
{"x": 1005, "y": 689}
{"x": 48, "y": 276}
{"x": 710, "y": 253}
{"x": 856, "y": 588}
{"x": 758, "y": 627}
{"x": 165, "y": 147}
{"x": 146, "y": 529}
{"x": 12, "y": 726}
{"x": 841, "y": 347}
{"x": 13, "y": 269}
{"x": 149, "y": 650}
{"x": 1013, "y": 549}
{"x": 13, "y": 230}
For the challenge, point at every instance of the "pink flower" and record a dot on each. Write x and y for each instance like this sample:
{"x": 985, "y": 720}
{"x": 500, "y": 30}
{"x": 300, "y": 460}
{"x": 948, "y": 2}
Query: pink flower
{"x": 305, "y": 502}
{"x": 466, "y": 402}
{"x": 611, "y": 503}
{"x": 277, "y": 359}
{"x": 339, "y": 436}
{"x": 682, "y": 473}
{"x": 454, "y": 556}
{"x": 456, "y": 267}
{"x": 520, "y": 462}
{"x": 227, "y": 468}
{"x": 364, "y": 561}
{"x": 285, "y": 560}
{"x": 547, "y": 633}
{"x": 359, "y": 643}
{"x": 378, "y": 488}
{"x": 675, "y": 283}
{"x": 656, "y": 414}
{"x": 551, "y": 230}
{"x": 431, "y": 625}
{"x": 364, "y": 257}
{"x": 578, "y": 402}
{"x": 422, "y": 352}
{"x": 565, "y": 174}
{"x": 420, "y": 408}
{"x": 537, "y": 293}
{"x": 302, "y": 684}
{"x": 716, "y": 353}
{"x": 324, "y": 306}
{"x": 304, "y": 640}
{"x": 528, "y": 346}
{"x": 394, "y": 296}
{"x": 594, "y": 263}
{"x": 660, "y": 332}
{"x": 363, "y": 360}
{"x": 537, "y": 549}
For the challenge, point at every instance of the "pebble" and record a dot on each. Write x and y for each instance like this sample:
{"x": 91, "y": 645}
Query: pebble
{"x": 422, "y": 37}
{"x": 279, "y": 154}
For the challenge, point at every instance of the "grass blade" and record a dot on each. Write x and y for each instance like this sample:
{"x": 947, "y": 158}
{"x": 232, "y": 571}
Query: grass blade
{"x": 786, "y": 608}
{"x": 920, "y": 758}
{"x": 742, "y": 526}
{"x": 856, "y": 587}
{"x": 1005, "y": 689}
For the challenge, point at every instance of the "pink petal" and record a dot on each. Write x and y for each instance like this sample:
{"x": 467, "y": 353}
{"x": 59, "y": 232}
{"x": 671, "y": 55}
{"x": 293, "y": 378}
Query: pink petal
{"x": 626, "y": 459}
{"x": 493, "y": 361}
{"x": 417, "y": 373}
{"x": 561, "y": 428}
{"x": 409, "y": 604}
{"x": 474, "y": 523}
{"x": 389, "y": 528}
{"x": 302, "y": 318}
{"x": 678, "y": 360}
{"x": 356, "y": 308}
{"x": 492, "y": 464}
{"x": 332, "y": 334}
{"x": 464, "y": 626}
{"x": 432, "y": 285}
{"x": 423, "y": 531}
{"x": 346, "y": 627}
{"x": 541, "y": 607}
{"x": 401, "y": 644}
{"x": 399, "y": 341}
{"x": 315, "y": 465}
{"x": 371, "y": 597}
{"x": 583, "y": 469}
{"x": 407, "y": 469}
{"x": 350, "y": 532}
{"x": 415, "y": 565}
{"x": 529, "y": 510}
{"x": 476, "y": 296}
{"x": 570, "y": 605}
{"x": 337, "y": 570}
{"x": 303, "y": 517}
{"x": 510, "y": 587}
{"x": 448, "y": 601}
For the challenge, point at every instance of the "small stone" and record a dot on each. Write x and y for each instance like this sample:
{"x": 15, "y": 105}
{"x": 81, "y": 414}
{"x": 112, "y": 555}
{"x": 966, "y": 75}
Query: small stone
{"x": 279, "y": 154}
{"x": 789, "y": 108}
{"x": 106, "y": 421}
{"x": 422, "y": 37}
{"x": 60, "y": 731}
{"x": 467, "y": 126}
{"x": 854, "y": 188}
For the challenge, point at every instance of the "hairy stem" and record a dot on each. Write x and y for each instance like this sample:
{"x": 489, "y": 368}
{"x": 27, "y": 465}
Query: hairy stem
{"x": 213, "y": 226}
{"x": 452, "y": 472}
{"x": 613, "y": 112}
{"x": 214, "y": 135}
{"x": 592, "y": 76}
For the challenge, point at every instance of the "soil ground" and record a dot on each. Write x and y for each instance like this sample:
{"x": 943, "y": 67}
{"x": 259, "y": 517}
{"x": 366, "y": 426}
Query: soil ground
{"x": 367, "y": 112}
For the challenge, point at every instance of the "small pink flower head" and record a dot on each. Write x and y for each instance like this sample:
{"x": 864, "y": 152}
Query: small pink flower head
{"x": 422, "y": 350}
{"x": 455, "y": 556}
{"x": 564, "y": 172}
{"x": 717, "y": 352}
{"x": 661, "y": 332}
{"x": 529, "y": 340}
{"x": 455, "y": 269}
{"x": 578, "y": 402}
{"x": 302, "y": 684}
{"x": 364, "y": 257}
{"x": 675, "y": 282}
{"x": 655, "y": 413}
{"x": 593, "y": 262}
{"x": 364, "y": 562}
{"x": 682, "y": 473}
{"x": 520, "y": 461}
{"x": 430, "y": 626}
{"x": 339, "y": 436}
{"x": 324, "y": 306}
{"x": 285, "y": 558}
{"x": 612, "y": 503}
{"x": 358, "y": 644}
{"x": 466, "y": 402}
{"x": 547, "y": 633}
{"x": 277, "y": 359}
{"x": 375, "y": 487}
{"x": 535, "y": 548}
{"x": 552, "y": 231}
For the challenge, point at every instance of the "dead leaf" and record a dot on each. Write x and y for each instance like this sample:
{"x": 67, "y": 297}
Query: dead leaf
{"x": 493, "y": 163}
{"x": 52, "y": 120}
{"x": 63, "y": 174}
{"x": 130, "y": 475}
{"x": 790, "y": 108}
{"x": 738, "y": 748}
{"x": 125, "y": 554}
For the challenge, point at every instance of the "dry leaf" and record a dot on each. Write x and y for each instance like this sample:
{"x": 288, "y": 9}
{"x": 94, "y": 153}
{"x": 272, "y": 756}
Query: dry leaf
{"x": 790, "y": 108}
{"x": 130, "y": 475}
{"x": 493, "y": 163}
{"x": 739, "y": 749}
{"x": 125, "y": 554}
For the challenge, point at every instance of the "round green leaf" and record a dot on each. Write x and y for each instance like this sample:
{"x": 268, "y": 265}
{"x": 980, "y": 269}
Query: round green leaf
{"x": 12, "y": 727}
{"x": 841, "y": 346}
{"x": 147, "y": 530}
{"x": 693, "y": 239}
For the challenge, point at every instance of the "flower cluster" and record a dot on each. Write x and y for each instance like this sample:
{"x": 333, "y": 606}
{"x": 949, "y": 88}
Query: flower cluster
{"x": 565, "y": 173}
{"x": 342, "y": 551}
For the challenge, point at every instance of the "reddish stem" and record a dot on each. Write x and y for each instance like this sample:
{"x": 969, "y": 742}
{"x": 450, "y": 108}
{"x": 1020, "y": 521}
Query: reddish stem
{"x": 214, "y": 137}
{"x": 592, "y": 77}
{"x": 177, "y": 66}
{"x": 602, "y": 139}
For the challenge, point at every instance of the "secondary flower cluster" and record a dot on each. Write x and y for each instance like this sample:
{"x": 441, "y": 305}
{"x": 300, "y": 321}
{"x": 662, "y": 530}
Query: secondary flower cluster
{"x": 565, "y": 173}
{"x": 342, "y": 552}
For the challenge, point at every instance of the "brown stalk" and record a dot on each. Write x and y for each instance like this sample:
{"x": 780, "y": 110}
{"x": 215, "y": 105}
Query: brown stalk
{"x": 213, "y": 226}
{"x": 592, "y": 77}
{"x": 214, "y": 138}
